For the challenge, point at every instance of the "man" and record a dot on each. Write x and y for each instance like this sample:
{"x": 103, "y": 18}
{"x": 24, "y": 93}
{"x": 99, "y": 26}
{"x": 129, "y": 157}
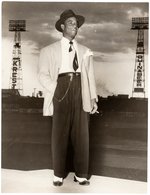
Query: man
{"x": 66, "y": 73}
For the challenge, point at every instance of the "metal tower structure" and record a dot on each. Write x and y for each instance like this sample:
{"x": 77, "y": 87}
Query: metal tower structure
{"x": 138, "y": 89}
{"x": 16, "y": 78}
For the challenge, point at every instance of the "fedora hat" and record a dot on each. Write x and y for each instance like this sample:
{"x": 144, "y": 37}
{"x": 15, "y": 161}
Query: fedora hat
{"x": 67, "y": 14}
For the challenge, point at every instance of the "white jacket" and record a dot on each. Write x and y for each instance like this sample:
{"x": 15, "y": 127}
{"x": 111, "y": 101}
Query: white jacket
{"x": 49, "y": 63}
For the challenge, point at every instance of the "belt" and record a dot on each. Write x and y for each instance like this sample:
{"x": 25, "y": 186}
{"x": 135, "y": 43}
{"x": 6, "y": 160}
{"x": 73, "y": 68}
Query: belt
{"x": 69, "y": 74}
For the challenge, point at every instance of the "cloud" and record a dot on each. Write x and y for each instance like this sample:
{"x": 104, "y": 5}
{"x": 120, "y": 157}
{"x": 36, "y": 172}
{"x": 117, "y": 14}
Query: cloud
{"x": 100, "y": 57}
{"x": 30, "y": 47}
{"x": 137, "y": 12}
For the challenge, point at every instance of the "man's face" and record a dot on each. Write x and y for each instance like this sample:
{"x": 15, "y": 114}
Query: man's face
{"x": 70, "y": 27}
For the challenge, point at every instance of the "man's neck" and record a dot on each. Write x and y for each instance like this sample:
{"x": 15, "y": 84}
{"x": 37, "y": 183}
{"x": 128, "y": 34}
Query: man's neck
{"x": 69, "y": 38}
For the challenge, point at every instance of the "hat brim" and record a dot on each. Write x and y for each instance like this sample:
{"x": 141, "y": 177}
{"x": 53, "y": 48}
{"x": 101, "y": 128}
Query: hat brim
{"x": 79, "y": 18}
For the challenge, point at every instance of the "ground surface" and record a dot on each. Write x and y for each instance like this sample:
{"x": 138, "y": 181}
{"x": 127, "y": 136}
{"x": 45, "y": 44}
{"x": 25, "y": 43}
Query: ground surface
{"x": 40, "y": 181}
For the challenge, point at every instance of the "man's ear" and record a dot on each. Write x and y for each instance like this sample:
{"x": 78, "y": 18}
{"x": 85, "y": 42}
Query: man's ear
{"x": 62, "y": 26}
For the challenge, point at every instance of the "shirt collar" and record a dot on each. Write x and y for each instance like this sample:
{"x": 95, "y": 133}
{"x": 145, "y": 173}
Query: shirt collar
{"x": 66, "y": 41}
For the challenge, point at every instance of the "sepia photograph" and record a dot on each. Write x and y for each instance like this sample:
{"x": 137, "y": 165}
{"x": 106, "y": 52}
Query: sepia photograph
{"x": 74, "y": 97}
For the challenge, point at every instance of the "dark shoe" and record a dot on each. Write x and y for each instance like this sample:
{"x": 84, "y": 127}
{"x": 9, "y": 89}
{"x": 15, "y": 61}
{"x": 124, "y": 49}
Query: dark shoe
{"x": 57, "y": 183}
{"x": 85, "y": 182}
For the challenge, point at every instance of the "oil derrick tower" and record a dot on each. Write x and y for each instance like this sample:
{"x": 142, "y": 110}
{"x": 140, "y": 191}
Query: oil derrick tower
{"x": 16, "y": 78}
{"x": 138, "y": 89}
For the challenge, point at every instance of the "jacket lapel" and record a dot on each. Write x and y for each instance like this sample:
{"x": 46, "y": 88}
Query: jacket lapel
{"x": 80, "y": 54}
{"x": 58, "y": 53}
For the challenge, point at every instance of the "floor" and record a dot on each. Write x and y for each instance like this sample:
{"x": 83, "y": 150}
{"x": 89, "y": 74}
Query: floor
{"x": 40, "y": 181}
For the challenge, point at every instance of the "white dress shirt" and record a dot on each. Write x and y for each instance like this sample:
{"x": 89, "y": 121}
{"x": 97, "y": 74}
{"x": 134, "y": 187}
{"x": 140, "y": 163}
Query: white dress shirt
{"x": 67, "y": 57}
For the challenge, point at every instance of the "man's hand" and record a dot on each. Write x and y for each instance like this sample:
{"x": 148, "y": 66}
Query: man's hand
{"x": 94, "y": 107}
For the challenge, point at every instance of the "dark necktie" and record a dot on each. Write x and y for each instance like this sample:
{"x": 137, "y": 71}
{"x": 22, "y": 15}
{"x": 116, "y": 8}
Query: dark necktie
{"x": 75, "y": 60}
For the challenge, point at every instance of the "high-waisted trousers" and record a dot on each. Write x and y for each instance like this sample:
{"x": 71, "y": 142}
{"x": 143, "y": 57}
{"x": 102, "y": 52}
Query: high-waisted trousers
{"x": 70, "y": 123}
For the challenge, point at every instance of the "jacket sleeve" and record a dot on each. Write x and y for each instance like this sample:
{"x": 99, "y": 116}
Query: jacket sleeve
{"x": 44, "y": 76}
{"x": 91, "y": 77}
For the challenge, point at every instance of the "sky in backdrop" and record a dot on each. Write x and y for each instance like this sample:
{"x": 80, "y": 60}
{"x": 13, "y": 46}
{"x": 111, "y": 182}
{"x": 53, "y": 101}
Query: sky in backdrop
{"x": 106, "y": 31}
